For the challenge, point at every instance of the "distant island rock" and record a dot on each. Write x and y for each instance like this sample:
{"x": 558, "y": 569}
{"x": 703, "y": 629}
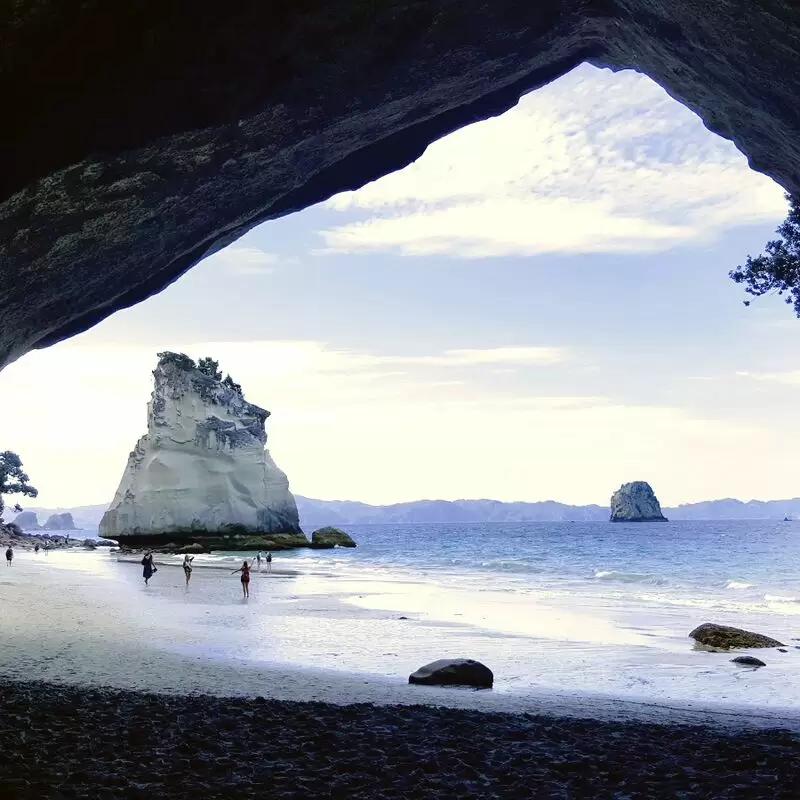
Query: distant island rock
{"x": 636, "y": 502}
{"x": 60, "y": 522}
{"x": 201, "y": 473}
{"x": 28, "y": 521}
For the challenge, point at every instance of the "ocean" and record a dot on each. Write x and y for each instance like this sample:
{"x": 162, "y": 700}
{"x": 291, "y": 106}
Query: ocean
{"x": 569, "y": 610}
{"x": 586, "y": 607}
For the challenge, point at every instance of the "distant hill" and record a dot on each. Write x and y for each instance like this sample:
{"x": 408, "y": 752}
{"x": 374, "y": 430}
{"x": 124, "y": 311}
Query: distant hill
{"x": 316, "y": 513}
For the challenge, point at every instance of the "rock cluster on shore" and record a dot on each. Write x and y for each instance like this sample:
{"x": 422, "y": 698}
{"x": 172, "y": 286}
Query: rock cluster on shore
{"x": 636, "y": 502}
{"x": 201, "y": 473}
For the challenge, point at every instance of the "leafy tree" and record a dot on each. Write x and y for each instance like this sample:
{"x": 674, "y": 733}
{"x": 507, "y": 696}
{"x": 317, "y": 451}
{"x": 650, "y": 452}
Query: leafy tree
{"x": 232, "y": 384}
{"x": 12, "y": 478}
{"x": 210, "y": 367}
{"x": 180, "y": 359}
{"x": 778, "y": 269}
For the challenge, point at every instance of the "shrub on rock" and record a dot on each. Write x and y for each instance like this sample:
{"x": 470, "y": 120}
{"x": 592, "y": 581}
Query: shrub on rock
{"x": 454, "y": 672}
{"x": 725, "y": 637}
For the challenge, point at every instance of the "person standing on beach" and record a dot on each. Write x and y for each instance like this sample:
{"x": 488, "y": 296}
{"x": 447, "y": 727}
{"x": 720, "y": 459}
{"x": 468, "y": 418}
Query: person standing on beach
{"x": 9, "y": 556}
{"x": 269, "y": 562}
{"x": 245, "y": 570}
{"x": 258, "y": 560}
{"x": 36, "y": 548}
{"x": 148, "y": 567}
{"x": 187, "y": 567}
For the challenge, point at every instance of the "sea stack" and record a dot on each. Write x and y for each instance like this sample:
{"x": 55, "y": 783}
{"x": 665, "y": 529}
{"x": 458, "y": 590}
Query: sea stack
{"x": 201, "y": 475}
{"x": 636, "y": 502}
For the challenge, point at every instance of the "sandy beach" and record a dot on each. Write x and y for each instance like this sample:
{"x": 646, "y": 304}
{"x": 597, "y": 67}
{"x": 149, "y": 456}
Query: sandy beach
{"x": 78, "y": 628}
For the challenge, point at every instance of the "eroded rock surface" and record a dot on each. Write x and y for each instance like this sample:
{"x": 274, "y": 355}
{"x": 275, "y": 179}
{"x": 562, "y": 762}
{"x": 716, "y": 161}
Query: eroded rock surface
{"x": 201, "y": 473}
{"x": 143, "y": 136}
{"x": 724, "y": 637}
{"x": 636, "y": 502}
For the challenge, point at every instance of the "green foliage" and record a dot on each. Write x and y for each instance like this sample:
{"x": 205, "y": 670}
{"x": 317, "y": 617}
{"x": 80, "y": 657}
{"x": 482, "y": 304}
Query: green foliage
{"x": 778, "y": 269}
{"x": 12, "y": 478}
{"x": 179, "y": 359}
{"x": 209, "y": 367}
{"x": 232, "y": 384}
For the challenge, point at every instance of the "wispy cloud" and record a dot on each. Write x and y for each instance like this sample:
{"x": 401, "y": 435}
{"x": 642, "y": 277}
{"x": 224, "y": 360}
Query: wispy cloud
{"x": 240, "y": 260}
{"x": 594, "y": 162}
{"x": 790, "y": 377}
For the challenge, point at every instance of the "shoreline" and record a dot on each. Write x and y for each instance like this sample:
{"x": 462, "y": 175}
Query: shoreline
{"x": 134, "y": 744}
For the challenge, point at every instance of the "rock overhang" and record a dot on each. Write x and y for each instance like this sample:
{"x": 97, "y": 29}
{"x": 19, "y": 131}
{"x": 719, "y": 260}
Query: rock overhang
{"x": 146, "y": 136}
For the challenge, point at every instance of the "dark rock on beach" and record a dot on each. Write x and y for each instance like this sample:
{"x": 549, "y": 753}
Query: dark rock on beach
{"x": 331, "y": 537}
{"x": 454, "y": 672}
{"x": 89, "y": 743}
{"x": 748, "y": 661}
{"x": 724, "y": 637}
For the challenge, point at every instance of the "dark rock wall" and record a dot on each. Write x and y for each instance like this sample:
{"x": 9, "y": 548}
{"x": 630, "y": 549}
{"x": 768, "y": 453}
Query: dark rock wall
{"x": 140, "y": 137}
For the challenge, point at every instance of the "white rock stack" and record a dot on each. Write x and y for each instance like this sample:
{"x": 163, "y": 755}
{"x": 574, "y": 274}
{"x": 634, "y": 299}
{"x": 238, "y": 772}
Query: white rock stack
{"x": 201, "y": 473}
{"x": 636, "y": 502}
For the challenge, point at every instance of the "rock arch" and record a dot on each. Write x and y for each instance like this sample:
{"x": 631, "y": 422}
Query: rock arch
{"x": 140, "y": 137}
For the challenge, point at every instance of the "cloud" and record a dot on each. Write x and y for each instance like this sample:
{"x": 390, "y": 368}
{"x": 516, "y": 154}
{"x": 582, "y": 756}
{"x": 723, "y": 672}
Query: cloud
{"x": 240, "y": 260}
{"x": 790, "y": 377}
{"x": 593, "y": 162}
{"x": 395, "y": 427}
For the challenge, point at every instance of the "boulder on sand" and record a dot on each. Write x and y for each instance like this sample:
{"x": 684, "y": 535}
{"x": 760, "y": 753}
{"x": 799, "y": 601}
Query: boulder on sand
{"x": 454, "y": 672}
{"x": 748, "y": 661}
{"x": 331, "y": 537}
{"x": 724, "y": 637}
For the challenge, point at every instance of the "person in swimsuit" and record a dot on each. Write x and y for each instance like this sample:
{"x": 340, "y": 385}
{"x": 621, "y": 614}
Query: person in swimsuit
{"x": 258, "y": 560}
{"x": 245, "y": 570}
{"x": 36, "y": 548}
{"x": 269, "y": 562}
{"x": 187, "y": 567}
{"x": 148, "y": 568}
{"x": 9, "y": 556}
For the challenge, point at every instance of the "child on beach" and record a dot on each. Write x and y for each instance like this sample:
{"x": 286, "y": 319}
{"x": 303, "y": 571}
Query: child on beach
{"x": 245, "y": 570}
{"x": 269, "y": 562}
{"x": 148, "y": 567}
{"x": 187, "y": 567}
{"x": 9, "y": 556}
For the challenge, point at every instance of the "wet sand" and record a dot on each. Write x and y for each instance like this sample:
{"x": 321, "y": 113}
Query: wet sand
{"x": 105, "y": 694}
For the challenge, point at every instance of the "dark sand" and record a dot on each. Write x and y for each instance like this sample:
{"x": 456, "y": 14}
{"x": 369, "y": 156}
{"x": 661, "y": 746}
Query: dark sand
{"x": 89, "y": 743}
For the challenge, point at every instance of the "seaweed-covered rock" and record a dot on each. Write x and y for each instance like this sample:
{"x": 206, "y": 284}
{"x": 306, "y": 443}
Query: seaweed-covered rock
{"x": 636, "y": 502}
{"x": 454, "y": 672}
{"x": 331, "y": 537}
{"x": 724, "y": 637}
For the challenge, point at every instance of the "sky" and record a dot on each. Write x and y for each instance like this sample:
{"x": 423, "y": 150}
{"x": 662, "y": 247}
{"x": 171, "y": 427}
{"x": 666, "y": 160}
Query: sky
{"x": 538, "y": 308}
